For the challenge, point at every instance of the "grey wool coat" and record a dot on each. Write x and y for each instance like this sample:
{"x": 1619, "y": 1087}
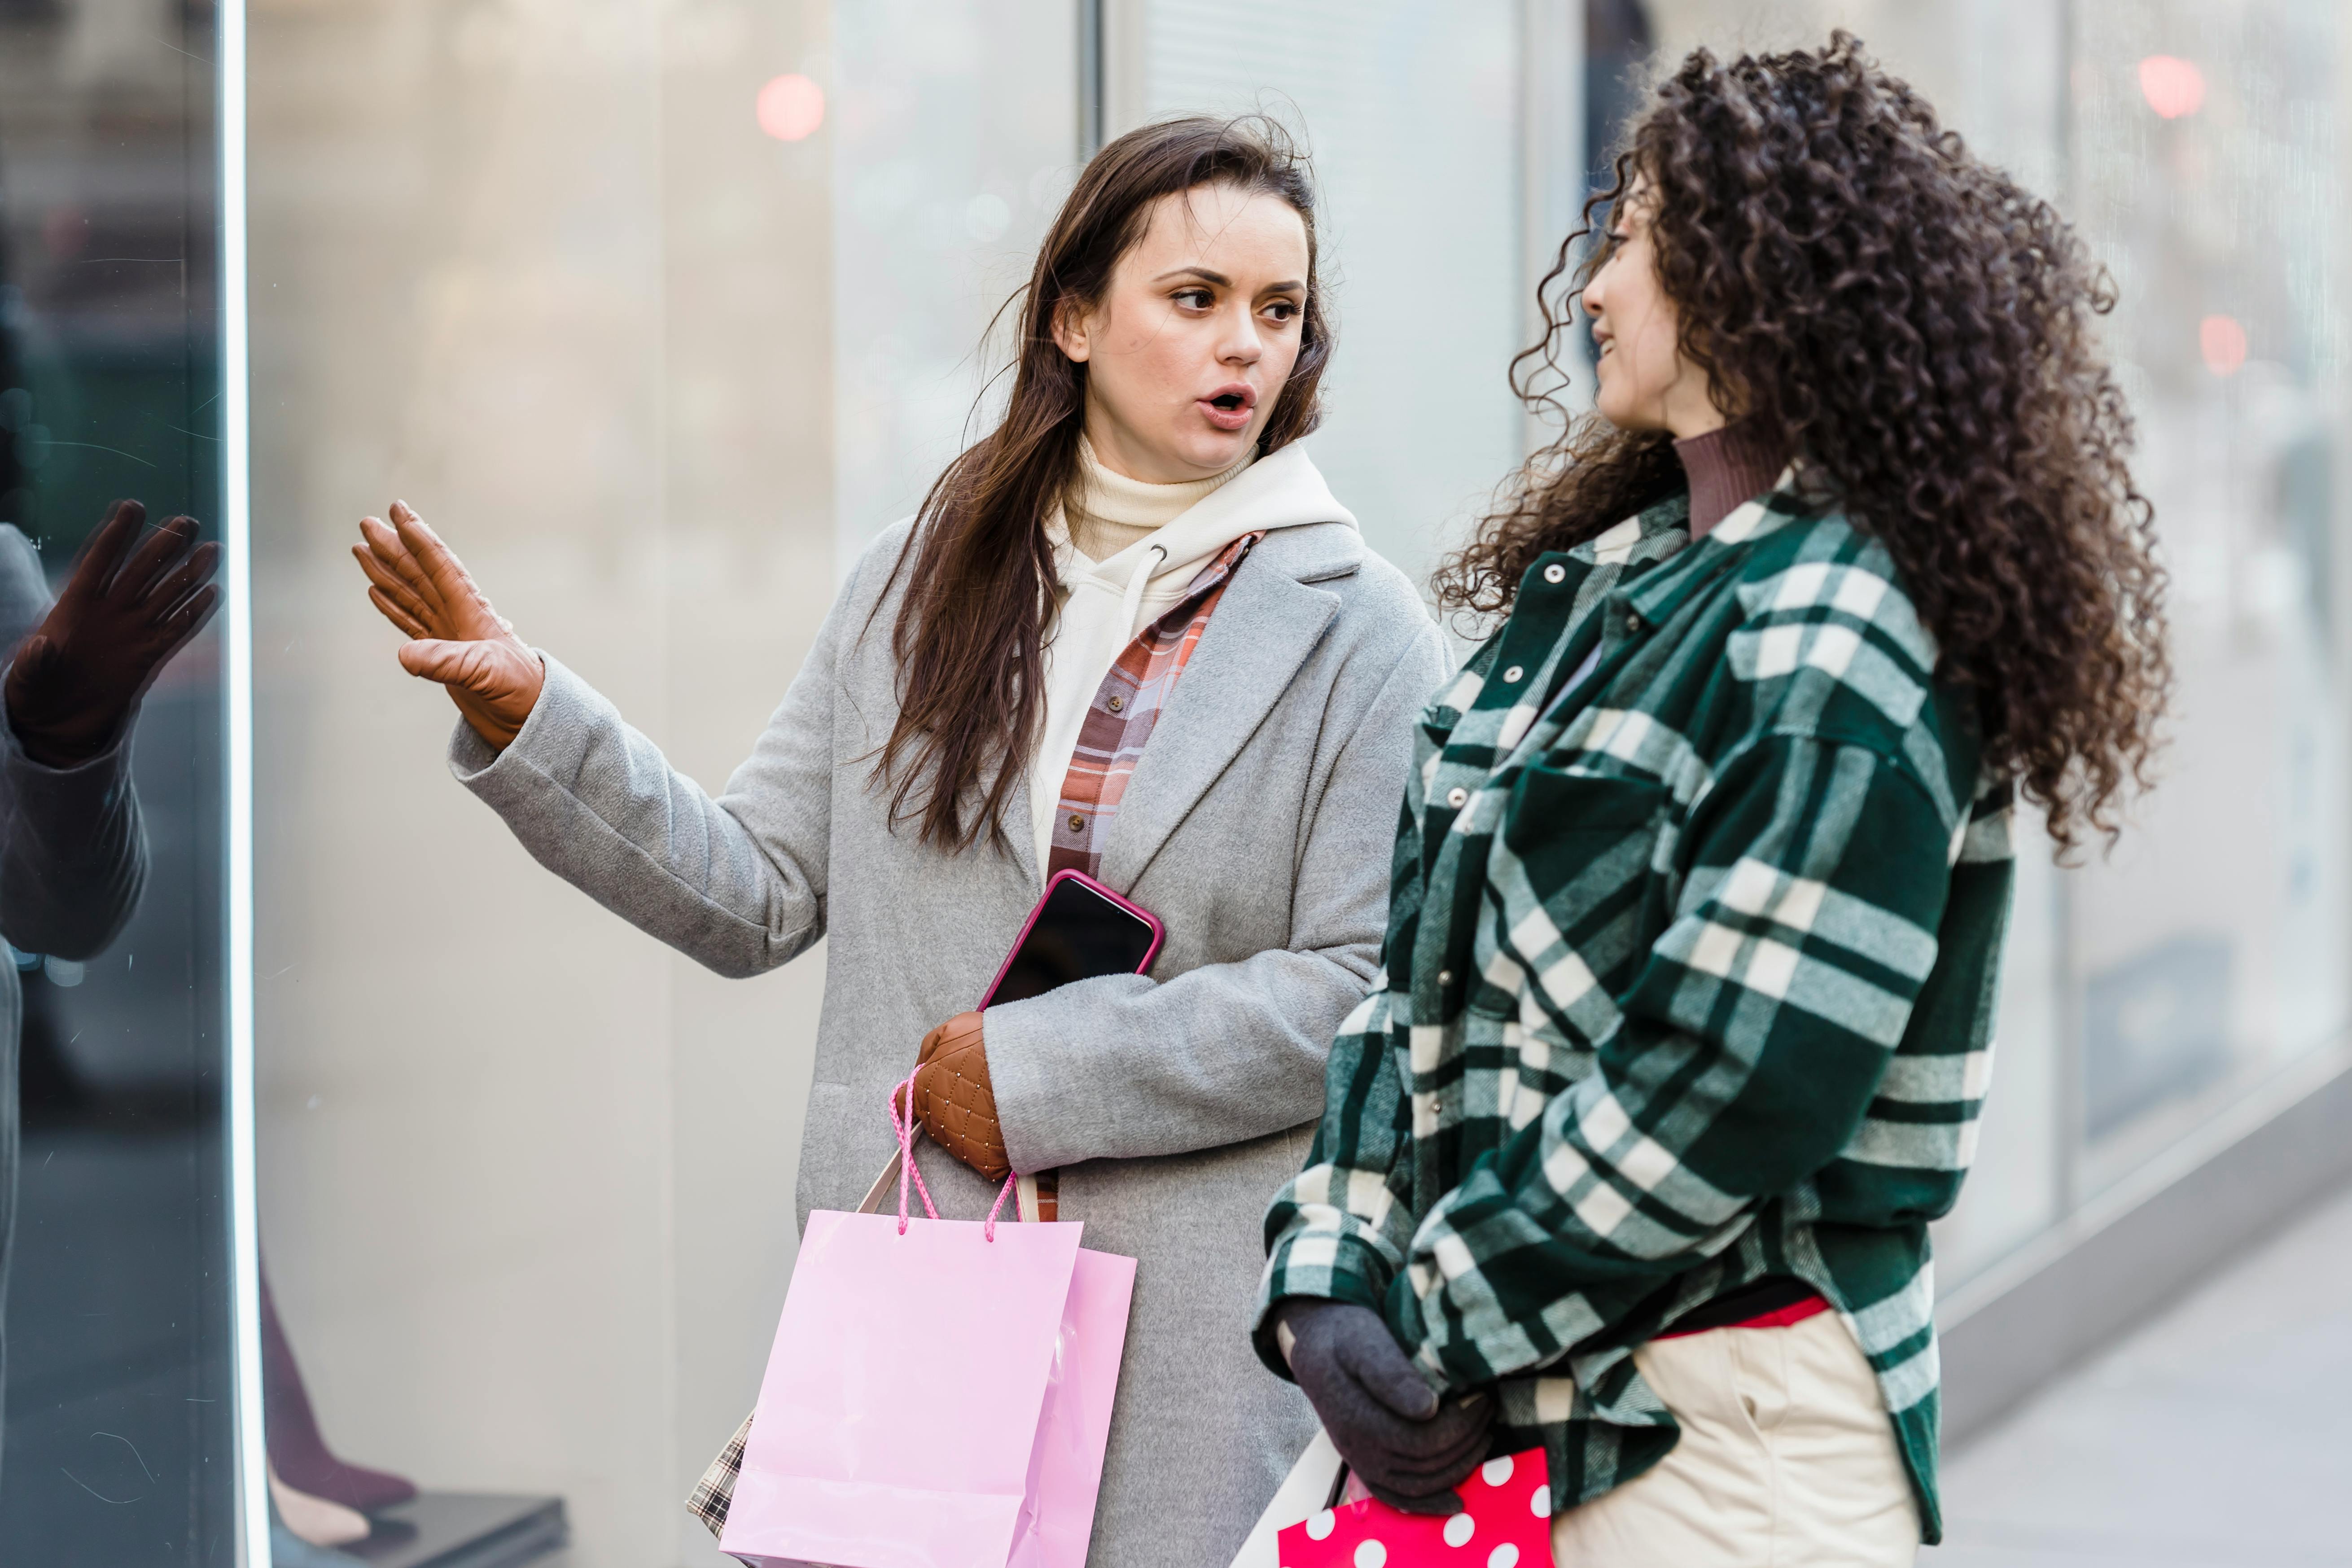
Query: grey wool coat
{"x": 73, "y": 861}
{"x": 1258, "y": 825}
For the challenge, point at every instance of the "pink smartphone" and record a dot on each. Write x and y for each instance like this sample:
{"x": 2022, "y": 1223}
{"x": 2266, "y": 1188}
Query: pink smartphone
{"x": 1080, "y": 928}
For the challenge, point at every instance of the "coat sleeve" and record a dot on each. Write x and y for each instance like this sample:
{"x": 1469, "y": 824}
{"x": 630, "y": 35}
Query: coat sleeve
{"x": 1123, "y": 1067}
{"x": 73, "y": 856}
{"x": 73, "y": 853}
{"x": 737, "y": 884}
{"x": 1339, "y": 1230}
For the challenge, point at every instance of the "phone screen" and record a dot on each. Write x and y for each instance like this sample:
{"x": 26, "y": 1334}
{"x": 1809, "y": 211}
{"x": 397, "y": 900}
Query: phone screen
{"x": 1077, "y": 934}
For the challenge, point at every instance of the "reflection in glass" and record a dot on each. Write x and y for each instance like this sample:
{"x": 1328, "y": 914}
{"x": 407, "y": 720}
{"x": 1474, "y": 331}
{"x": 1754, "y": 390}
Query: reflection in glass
{"x": 118, "y": 1401}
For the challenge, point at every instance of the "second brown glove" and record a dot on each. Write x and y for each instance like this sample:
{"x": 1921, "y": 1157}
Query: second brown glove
{"x": 953, "y": 1099}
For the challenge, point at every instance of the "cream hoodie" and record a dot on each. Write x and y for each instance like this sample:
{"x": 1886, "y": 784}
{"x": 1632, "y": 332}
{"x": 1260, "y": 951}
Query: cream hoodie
{"x": 1104, "y": 603}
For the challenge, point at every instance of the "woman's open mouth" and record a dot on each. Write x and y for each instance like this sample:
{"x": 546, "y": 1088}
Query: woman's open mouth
{"x": 1229, "y": 406}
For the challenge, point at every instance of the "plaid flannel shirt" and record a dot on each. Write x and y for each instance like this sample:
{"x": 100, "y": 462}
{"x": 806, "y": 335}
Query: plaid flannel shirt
{"x": 1688, "y": 982}
{"x": 1126, "y": 705}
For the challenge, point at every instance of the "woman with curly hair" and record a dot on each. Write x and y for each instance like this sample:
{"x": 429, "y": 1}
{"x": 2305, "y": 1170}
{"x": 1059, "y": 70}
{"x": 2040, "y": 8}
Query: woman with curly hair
{"x": 1697, "y": 912}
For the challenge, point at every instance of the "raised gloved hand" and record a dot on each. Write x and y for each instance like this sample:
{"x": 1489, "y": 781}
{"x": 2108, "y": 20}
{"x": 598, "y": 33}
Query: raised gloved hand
{"x": 953, "y": 1099}
{"x": 129, "y": 606}
{"x": 455, "y": 636}
{"x": 1407, "y": 1445}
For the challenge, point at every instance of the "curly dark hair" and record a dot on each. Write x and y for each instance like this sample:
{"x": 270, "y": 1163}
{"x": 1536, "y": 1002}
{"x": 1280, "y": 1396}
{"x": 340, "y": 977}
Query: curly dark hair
{"x": 1922, "y": 332}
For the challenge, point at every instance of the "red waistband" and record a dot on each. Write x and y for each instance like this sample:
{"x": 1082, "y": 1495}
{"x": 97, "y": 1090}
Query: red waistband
{"x": 1778, "y": 1317}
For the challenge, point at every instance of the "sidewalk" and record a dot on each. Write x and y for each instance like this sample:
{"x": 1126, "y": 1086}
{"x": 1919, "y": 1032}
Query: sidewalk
{"x": 2218, "y": 1435}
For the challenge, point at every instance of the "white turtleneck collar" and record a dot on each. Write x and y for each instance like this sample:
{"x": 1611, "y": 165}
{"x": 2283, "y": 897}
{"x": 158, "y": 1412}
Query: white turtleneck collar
{"x": 1109, "y": 511}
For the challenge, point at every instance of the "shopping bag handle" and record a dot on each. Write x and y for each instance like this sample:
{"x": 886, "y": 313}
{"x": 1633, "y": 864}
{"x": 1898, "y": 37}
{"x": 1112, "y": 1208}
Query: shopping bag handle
{"x": 908, "y": 1127}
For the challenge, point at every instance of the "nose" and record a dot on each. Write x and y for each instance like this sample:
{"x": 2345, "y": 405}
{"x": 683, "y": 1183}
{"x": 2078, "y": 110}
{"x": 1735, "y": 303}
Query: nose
{"x": 1242, "y": 346}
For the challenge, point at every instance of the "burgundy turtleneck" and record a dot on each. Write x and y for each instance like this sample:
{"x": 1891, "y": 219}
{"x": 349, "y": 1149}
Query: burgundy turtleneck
{"x": 1728, "y": 468}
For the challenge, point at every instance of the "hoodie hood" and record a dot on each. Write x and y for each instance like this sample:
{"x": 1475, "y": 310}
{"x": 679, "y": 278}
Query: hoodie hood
{"x": 1284, "y": 489}
{"x": 1106, "y": 603}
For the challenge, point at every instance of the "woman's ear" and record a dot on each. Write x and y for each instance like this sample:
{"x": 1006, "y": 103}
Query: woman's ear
{"x": 1070, "y": 330}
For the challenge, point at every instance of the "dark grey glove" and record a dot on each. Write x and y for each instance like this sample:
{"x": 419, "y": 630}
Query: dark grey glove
{"x": 1409, "y": 1446}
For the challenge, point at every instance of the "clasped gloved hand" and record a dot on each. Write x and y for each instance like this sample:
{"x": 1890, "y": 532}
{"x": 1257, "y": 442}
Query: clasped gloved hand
{"x": 953, "y": 1099}
{"x": 130, "y": 606}
{"x": 1407, "y": 1444}
{"x": 455, "y": 636}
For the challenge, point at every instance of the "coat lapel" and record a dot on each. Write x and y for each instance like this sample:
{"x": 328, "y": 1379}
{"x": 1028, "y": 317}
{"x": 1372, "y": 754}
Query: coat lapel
{"x": 1269, "y": 620}
{"x": 1022, "y": 830}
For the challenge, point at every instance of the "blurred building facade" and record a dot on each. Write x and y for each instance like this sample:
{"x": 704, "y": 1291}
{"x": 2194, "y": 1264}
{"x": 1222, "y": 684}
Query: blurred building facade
{"x": 661, "y": 309}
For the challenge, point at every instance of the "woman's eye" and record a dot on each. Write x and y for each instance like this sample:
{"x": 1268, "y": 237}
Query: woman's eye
{"x": 1283, "y": 309}
{"x": 1194, "y": 298}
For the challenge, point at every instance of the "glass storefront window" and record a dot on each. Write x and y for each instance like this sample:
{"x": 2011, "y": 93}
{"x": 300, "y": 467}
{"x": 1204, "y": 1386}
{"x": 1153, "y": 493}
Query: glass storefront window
{"x": 120, "y": 1399}
{"x": 2210, "y": 951}
{"x": 1413, "y": 115}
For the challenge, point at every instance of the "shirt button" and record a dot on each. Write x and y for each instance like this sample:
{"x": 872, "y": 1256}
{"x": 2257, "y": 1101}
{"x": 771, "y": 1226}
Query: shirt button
{"x": 1456, "y": 795}
{"x": 1077, "y": 823}
{"x": 1118, "y": 704}
{"x": 1511, "y": 676}
{"x": 1555, "y": 573}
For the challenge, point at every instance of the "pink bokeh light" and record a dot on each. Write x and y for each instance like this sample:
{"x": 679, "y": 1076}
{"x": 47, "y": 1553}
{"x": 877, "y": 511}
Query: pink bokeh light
{"x": 2222, "y": 341}
{"x": 790, "y": 107}
{"x": 2172, "y": 86}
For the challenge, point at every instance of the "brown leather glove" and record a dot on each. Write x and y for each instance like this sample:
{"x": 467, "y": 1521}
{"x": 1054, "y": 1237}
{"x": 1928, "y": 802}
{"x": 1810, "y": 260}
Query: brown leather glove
{"x": 953, "y": 1099}
{"x": 456, "y": 637}
{"x": 134, "y": 600}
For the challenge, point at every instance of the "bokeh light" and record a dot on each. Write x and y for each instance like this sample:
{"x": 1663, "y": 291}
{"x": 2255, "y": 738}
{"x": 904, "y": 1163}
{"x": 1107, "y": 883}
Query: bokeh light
{"x": 2172, "y": 86}
{"x": 2222, "y": 341}
{"x": 791, "y": 107}
{"x": 987, "y": 216}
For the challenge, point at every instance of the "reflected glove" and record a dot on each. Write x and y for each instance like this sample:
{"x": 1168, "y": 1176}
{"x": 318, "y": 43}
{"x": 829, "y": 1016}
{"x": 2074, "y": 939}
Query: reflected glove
{"x": 455, "y": 636}
{"x": 130, "y": 606}
{"x": 953, "y": 1099}
{"x": 1409, "y": 1446}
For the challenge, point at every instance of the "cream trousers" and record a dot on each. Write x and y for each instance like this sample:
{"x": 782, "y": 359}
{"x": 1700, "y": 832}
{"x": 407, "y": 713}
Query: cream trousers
{"x": 1787, "y": 1460}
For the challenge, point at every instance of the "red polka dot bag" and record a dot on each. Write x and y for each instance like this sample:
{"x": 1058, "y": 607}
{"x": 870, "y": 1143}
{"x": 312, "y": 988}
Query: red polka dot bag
{"x": 1505, "y": 1523}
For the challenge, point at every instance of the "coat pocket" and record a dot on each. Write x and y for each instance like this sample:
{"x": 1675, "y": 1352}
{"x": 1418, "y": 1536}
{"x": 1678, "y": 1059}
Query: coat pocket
{"x": 1586, "y": 840}
{"x": 1555, "y": 805}
{"x": 1588, "y": 845}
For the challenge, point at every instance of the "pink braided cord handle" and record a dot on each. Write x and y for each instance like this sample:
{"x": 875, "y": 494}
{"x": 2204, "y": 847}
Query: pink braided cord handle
{"x": 909, "y": 1171}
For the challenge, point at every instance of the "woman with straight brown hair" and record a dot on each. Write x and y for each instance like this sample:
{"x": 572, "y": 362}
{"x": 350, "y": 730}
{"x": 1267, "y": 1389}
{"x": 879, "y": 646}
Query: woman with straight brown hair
{"x": 1130, "y": 632}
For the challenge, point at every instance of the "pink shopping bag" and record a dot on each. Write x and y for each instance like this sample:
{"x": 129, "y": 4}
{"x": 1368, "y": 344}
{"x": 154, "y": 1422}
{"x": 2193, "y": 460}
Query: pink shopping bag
{"x": 939, "y": 1394}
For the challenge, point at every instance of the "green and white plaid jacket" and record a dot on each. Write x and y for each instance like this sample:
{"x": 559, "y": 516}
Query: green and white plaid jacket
{"x": 1690, "y": 980}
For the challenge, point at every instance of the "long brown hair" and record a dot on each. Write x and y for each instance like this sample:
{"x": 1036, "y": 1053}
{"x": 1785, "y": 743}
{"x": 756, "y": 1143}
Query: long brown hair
{"x": 1922, "y": 332}
{"x": 970, "y": 634}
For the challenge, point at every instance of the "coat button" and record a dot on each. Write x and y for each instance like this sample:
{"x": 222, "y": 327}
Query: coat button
{"x": 1511, "y": 676}
{"x": 1632, "y": 623}
{"x": 1077, "y": 823}
{"x": 1555, "y": 573}
{"x": 1446, "y": 977}
{"x": 1455, "y": 797}
{"x": 1118, "y": 704}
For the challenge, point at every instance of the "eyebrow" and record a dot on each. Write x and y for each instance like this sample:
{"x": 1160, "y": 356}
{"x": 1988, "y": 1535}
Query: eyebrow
{"x": 1221, "y": 281}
